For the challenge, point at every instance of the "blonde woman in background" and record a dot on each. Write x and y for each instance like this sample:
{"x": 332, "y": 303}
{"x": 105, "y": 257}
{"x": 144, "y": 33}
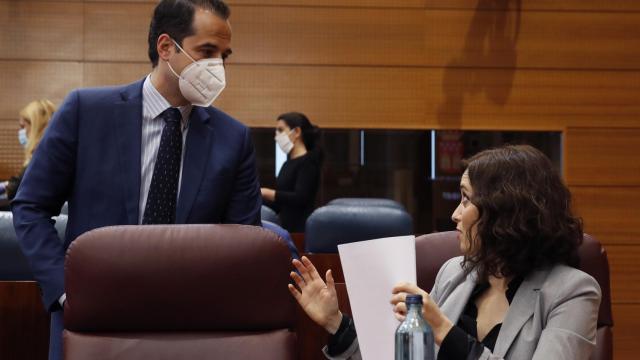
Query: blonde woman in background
{"x": 33, "y": 121}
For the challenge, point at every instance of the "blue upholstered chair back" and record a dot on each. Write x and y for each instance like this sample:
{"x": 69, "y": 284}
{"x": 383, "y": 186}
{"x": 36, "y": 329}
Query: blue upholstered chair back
{"x": 367, "y": 202}
{"x": 284, "y": 235}
{"x": 13, "y": 264}
{"x": 267, "y": 214}
{"x": 331, "y": 225}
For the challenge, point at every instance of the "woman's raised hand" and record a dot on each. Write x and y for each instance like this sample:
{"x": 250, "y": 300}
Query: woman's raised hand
{"x": 317, "y": 298}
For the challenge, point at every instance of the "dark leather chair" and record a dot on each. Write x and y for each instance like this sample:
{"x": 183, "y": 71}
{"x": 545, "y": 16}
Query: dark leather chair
{"x": 367, "y": 202}
{"x": 267, "y": 214}
{"x": 433, "y": 250}
{"x": 178, "y": 292}
{"x": 329, "y": 226}
{"x": 13, "y": 264}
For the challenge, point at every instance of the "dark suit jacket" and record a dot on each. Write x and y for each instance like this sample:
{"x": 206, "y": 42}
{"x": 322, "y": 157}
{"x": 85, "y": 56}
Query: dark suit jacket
{"x": 90, "y": 157}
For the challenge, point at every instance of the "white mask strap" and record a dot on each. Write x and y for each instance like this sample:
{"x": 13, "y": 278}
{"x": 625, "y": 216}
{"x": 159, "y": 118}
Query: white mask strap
{"x": 173, "y": 71}
{"x": 181, "y": 49}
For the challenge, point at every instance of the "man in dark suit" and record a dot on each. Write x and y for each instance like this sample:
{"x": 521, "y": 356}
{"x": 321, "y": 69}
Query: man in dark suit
{"x": 152, "y": 152}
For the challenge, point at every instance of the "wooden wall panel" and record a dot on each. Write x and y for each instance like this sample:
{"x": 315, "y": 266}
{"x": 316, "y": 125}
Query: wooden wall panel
{"x": 12, "y": 153}
{"x": 563, "y": 5}
{"x": 406, "y": 37}
{"x": 626, "y": 320}
{"x": 109, "y": 74}
{"x": 533, "y": 99}
{"x": 602, "y": 156}
{"x": 546, "y": 5}
{"x": 265, "y": 35}
{"x": 24, "y": 81}
{"x": 390, "y": 97}
{"x": 26, "y": 30}
{"x": 24, "y": 323}
{"x": 609, "y": 213}
{"x": 337, "y": 97}
{"x": 436, "y": 38}
{"x": 624, "y": 268}
{"x": 234, "y": 4}
{"x": 117, "y": 33}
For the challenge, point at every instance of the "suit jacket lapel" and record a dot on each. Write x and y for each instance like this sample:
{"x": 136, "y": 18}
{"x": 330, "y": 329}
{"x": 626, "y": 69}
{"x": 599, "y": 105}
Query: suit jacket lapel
{"x": 520, "y": 310}
{"x": 128, "y": 122}
{"x": 196, "y": 156}
{"x": 457, "y": 300}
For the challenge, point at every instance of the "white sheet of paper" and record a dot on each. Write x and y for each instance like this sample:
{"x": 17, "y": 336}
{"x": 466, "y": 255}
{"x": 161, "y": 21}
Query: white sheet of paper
{"x": 371, "y": 269}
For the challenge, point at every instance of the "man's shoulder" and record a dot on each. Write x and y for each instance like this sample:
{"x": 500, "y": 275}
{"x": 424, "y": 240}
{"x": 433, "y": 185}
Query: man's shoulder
{"x": 110, "y": 93}
{"x": 224, "y": 120}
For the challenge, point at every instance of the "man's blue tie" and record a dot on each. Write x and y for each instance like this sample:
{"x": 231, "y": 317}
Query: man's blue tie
{"x": 163, "y": 192}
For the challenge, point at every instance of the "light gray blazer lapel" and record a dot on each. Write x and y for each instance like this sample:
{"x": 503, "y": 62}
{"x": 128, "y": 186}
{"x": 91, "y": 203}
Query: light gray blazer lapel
{"x": 455, "y": 301}
{"x": 520, "y": 310}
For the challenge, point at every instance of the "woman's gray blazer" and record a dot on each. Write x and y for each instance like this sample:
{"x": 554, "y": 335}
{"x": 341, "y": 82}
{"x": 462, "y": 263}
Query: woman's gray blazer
{"x": 553, "y": 315}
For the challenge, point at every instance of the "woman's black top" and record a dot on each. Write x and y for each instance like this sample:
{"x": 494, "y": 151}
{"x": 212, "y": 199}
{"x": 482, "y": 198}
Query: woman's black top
{"x": 296, "y": 189}
{"x": 461, "y": 342}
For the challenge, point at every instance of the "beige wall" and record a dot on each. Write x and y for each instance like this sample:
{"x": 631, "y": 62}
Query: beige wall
{"x": 567, "y": 65}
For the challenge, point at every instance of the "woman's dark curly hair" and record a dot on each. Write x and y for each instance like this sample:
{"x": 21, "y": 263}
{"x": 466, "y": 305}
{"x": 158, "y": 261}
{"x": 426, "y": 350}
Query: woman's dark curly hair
{"x": 525, "y": 221}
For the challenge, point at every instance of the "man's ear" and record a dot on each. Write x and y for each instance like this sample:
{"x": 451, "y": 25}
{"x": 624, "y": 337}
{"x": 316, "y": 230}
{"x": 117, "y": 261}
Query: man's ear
{"x": 165, "y": 47}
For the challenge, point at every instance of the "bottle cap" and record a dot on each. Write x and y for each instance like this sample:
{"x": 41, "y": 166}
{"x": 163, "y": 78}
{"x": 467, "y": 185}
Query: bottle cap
{"x": 414, "y": 299}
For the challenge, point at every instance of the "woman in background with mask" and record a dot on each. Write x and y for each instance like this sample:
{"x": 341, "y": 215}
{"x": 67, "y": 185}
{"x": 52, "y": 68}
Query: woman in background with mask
{"x": 34, "y": 119}
{"x": 297, "y": 183}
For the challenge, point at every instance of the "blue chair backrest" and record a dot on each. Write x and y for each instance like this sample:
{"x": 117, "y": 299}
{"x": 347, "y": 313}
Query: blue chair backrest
{"x": 367, "y": 202}
{"x": 267, "y": 214}
{"x": 329, "y": 226}
{"x": 13, "y": 264}
{"x": 284, "y": 235}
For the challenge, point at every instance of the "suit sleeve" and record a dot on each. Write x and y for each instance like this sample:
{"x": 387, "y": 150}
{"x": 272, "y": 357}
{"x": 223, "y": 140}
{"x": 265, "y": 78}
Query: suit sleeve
{"x": 45, "y": 187}
{"x": 245, "y": 201}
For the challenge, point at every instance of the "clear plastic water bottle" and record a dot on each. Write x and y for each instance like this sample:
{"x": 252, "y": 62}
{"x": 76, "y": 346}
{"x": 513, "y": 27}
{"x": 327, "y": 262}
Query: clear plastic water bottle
{"x": 414, "y": 338}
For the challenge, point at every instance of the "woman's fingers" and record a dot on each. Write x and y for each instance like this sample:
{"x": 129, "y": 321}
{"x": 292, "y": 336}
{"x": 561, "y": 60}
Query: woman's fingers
{"x": 331, "y": 285}
{"x": 408, "y": 288}
{"x": 399, "y": 297}
{"x": 313, "y": 273}
{"x": 296, "y": 294}
{"x": 399, "y": 317}
{"x": 302, "y": 269}
{"x": 400, "y": 308}
{"x": 298, "y": 280}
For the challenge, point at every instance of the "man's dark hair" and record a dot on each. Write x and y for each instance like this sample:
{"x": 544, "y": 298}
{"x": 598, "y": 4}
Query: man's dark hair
{"x": 525, "y": 220}
{"x": 175, "y": 18}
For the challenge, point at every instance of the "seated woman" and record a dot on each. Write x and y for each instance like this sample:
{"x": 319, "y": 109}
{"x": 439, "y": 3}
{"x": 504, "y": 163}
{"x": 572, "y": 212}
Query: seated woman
{"x": 297, "y": 183}
{"x": 515, "y": 294}
{"x": 33, "y": 121}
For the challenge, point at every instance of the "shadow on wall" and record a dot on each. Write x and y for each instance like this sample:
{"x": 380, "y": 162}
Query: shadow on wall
{"x": 488, "y": 61}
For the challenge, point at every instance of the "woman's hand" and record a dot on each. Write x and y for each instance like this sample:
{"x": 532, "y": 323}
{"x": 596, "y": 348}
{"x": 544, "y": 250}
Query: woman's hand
{"x": 268, "y": 194}
{"x": 431, "y": 313}
{"x": 317, "y": 299}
